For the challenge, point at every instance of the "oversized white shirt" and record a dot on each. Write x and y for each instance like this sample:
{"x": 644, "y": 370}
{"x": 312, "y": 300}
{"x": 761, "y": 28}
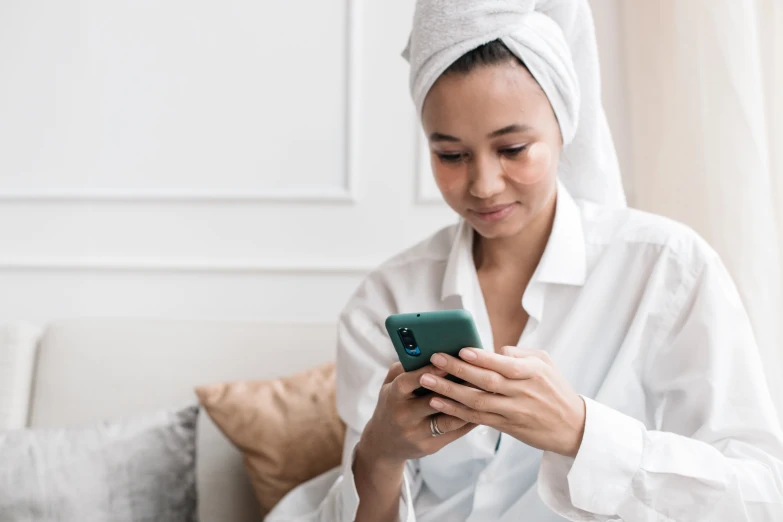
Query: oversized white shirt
{"x": 643, "y": 320}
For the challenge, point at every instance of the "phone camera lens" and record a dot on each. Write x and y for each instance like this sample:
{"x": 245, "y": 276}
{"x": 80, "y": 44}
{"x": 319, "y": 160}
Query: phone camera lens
{"x": 409, "y": 342}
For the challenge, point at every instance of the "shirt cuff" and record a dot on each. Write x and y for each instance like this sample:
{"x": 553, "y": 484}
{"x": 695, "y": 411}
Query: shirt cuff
{"x": 608, "y": 459}
{"x": 349, "y": 495}
{"x": 599, "y": 479}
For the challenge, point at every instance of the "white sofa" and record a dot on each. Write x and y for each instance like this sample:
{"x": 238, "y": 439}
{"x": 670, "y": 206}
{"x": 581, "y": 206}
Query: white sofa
{"x": 92, "y": 370}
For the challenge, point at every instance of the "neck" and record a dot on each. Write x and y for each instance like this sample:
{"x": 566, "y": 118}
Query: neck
{"x": 520, "y": 253}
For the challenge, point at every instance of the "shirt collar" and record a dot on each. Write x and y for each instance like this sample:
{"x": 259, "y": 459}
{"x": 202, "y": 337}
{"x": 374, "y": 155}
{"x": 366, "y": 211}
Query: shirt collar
{"x": 457, "y": 277}
{"x": 563, "y": 262}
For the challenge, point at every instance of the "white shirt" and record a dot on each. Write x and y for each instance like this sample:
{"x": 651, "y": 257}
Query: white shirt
{"x": 643, "y": 320}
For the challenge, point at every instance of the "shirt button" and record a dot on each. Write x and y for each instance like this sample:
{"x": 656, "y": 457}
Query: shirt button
{"x": 483, "y": 431}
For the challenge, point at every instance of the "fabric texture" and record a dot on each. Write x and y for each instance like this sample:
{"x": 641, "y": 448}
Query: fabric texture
{"x": 640, "y": 316}
{"x": 18, "y": 343}
{"x": 140, "y": 470}
{"x": 287, "y": 429}
{"x": 556, "y": 41}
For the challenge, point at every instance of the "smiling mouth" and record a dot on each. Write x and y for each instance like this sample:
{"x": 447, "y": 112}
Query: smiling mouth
{"x": 494, "y": 214}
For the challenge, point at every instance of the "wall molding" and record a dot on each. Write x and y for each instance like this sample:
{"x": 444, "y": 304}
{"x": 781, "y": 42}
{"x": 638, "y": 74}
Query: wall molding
{"x": 196, "y": 265}
{"x": 347, "y": 194}
{"x": 310, "y": 195}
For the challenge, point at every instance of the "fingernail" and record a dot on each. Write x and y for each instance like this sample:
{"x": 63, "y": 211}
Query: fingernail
{"x": 438, "y": 360}
{"x": 437, "y": 404}
{"x": 468, "y": 355}
{"x": 428, "y": 380}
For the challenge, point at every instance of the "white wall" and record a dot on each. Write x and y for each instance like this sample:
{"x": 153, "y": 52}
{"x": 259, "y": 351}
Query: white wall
{"x": 212, "y": 160}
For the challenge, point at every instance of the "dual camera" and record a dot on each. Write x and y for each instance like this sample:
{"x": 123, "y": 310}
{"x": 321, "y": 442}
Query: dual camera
{"x": 409, "y": 342}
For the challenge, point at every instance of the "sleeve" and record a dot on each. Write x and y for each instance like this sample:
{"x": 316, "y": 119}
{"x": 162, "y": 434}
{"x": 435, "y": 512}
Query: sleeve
{"x": 364, "y": 354}
{"x": 342, "y": 502}
{"x": 716, "y": 452}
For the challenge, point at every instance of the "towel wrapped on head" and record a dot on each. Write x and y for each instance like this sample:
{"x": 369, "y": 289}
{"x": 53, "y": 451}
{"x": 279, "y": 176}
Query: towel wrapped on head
{"x": 555, "y": 39}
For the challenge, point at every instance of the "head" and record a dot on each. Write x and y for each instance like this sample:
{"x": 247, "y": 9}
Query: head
{"x": 494, "y": 141}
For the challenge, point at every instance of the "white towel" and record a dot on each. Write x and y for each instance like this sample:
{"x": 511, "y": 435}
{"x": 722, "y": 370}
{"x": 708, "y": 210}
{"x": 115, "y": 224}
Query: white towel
{"x": 555, "y": 39}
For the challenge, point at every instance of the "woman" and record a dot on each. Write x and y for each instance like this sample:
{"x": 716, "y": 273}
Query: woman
{"x": 621, "y": 379}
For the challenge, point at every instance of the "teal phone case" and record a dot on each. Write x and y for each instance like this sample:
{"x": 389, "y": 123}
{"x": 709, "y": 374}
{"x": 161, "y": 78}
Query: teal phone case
{"x": 446, "y": 331}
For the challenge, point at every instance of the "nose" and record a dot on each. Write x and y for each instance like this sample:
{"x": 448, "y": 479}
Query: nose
{"x": 486, "y": 177}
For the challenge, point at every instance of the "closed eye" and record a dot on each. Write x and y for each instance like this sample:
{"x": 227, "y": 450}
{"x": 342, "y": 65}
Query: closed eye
{"x": 450, "y": 158}
{"x": 513, "y": 151}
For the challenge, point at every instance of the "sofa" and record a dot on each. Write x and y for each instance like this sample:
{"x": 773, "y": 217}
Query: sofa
{"x": 90, "y": 370}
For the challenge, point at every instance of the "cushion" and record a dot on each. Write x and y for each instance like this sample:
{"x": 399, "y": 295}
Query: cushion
{"x": 18, "y": 342}
{"x": 140, "y": 470}
{"x": 91, "y": 369}
{"x": 287, "y": 429}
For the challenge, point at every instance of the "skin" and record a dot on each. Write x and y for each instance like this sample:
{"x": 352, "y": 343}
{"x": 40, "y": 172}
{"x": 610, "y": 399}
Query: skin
{"x": 495, "y": 144}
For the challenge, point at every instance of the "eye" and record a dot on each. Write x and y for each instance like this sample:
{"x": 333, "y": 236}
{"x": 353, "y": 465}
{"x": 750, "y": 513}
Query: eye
{"x": 455, "y": 157}
{"x": 513, "y": 152}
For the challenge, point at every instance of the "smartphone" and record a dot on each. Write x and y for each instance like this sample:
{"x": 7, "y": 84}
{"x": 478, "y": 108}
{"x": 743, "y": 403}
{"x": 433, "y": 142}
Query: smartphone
{"x": 416, "y": 337}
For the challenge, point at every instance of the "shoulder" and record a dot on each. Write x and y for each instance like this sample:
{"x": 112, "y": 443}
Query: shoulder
{"x": 644, "y": 235}
{"x": 433, "y": 250}
{"x": 421, "y": 267}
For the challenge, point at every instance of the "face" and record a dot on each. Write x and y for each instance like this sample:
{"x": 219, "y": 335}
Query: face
{"x": 494, "y": 144}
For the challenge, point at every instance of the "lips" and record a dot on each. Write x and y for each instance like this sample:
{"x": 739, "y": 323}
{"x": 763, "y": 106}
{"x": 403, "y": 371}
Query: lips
{"x": 495, "y": 213}
{"x": 490, "y": 210}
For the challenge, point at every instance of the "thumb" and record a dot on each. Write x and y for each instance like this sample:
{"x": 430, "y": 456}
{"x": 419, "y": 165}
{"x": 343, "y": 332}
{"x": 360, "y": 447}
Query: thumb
{"x": 512, "y": 351}
{"x": 520, "y": 353}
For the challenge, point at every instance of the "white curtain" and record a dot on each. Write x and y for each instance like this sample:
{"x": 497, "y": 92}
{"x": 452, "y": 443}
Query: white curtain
{"x": 705, "y": 84}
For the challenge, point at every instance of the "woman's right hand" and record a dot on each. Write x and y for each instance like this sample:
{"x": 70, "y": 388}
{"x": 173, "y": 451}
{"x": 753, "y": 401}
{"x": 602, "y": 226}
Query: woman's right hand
{"x": 399, "y": 429}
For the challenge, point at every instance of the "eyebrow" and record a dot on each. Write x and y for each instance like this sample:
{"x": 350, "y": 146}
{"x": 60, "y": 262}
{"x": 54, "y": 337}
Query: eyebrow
{"x": 437, "y": 136}
{"x": 516, "y": 127}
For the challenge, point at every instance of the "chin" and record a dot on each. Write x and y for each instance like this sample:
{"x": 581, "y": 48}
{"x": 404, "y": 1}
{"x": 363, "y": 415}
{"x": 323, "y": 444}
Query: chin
{"x": 502, "y": 229}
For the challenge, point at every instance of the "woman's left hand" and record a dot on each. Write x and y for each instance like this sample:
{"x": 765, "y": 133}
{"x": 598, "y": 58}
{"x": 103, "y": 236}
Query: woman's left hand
{"x": 519, "y": 392}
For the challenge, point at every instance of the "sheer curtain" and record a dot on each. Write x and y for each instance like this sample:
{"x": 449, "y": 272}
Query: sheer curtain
{"x": 705, "y": 84}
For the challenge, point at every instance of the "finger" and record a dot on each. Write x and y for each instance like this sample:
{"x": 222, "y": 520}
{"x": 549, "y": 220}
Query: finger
{"x": 509, "y": 367}
{"x": 394, "y": 370}
{"x": 483, "y": 378}
{"x": 457, "y": 410}
{"x": 447, "y": 438}
{"x": 445, "y": 423}
{"x": 519, "y": 353}
{"x": 406, "y": 382}
{"x": 419, "y": 408}
{"x": 473, "y": 398}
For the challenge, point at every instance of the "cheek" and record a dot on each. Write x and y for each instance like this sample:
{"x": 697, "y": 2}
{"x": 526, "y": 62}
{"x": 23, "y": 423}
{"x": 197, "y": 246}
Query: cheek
{"x": 534, "y": 167}
{"x": 449, "y": 178}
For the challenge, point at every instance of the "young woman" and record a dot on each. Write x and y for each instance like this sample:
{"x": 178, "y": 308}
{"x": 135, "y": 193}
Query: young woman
{"x": 620, "y": 379}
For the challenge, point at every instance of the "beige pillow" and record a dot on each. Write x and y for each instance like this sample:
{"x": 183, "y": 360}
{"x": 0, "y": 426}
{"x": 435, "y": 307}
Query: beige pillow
{"x": 287, "y": 429}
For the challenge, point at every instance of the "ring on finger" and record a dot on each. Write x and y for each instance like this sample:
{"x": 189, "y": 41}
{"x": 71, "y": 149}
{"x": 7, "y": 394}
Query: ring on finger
{"x": 434, "y": 429}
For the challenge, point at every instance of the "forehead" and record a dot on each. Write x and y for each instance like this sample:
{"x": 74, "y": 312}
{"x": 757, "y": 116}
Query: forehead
{"x": 489, "y": 97}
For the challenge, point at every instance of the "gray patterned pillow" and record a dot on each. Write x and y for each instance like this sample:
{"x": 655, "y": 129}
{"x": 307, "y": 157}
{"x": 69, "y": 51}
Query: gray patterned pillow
{"x": 143, "y": 470}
